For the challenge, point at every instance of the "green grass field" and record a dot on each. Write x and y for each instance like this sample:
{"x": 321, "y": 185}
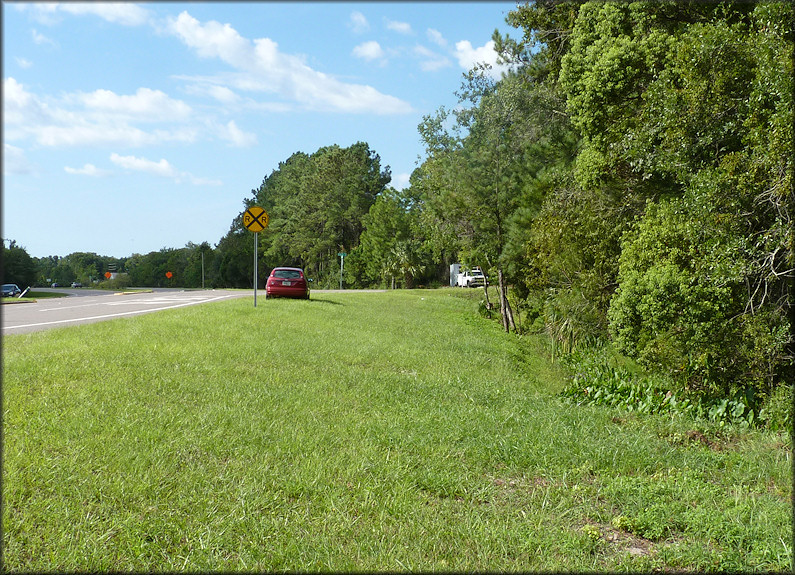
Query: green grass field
{"x": 358, "y": 432}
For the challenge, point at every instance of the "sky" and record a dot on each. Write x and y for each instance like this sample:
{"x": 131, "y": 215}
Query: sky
{"x": 129, "y": 128}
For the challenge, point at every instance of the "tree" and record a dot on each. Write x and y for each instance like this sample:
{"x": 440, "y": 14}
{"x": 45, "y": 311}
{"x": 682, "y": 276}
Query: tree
{"x": 234, "y": 257}
{"x": 18, "y": 267}
{"x": 673, "y": 223}
{"x": 316, "y": 205}
{"x": 391, "y": 243}
{"x": 473, "y": 179}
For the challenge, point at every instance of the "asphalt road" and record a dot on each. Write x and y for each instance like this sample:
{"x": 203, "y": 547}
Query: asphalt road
{"x": 88, "y": 306}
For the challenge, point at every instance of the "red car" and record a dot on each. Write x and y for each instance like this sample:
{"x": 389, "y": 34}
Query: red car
{"x": 287, "y": 282}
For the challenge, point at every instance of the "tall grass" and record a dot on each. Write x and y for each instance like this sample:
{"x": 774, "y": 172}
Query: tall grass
{"x": 358, "y": 431}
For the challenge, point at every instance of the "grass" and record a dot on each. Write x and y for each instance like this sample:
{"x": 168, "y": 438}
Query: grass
{"x": 358, "y": 432}
{"x": 32, "y": 296}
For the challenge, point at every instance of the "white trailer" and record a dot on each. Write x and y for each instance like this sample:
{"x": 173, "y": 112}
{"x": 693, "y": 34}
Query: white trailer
{"x": 455, "y": 269}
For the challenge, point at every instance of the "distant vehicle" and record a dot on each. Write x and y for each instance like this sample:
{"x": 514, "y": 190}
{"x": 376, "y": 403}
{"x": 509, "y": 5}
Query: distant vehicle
{"x": 76, "y": 284}
{"x": 287, "y": 282}
{"x": 10, "y": 290}
{"x": 56, "y": 284}
{"x": 471, "y": 278}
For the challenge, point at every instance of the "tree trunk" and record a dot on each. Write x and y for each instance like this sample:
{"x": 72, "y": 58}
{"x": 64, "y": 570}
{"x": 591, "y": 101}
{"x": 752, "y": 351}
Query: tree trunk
{"x": 505, "y": 307}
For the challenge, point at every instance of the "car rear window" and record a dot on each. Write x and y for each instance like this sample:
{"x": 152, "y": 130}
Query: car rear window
{"x": 287, "y": 274}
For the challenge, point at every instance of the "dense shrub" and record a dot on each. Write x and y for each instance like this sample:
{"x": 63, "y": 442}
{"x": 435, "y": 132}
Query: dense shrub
{"x": 682, "y": 303}
{"x": 599, "y": 380}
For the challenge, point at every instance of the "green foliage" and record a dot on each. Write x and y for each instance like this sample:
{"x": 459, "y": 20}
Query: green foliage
{"x": 597, "y": 380}
{"x": 682, "y": 181}
{"x": 615, "y": 52}
{"x": 150, "y": 270}
{"x": 681, "y": 305}
{"x": 777, "y": 412}
{"x": 84, "y": 267}
{"x": 18, "y": 267}
{"x": 391, "y": 247}
{"x": 316, "y": 205}
{"x": 120, "y": 282}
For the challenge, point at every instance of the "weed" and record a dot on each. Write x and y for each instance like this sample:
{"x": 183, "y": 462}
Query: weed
{"x": 597, "y": 381}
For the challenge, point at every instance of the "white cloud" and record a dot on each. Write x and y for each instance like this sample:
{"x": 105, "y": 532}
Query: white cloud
{"x": 400, "y": 181}
{"x": 262, "y": 67}
{"x": 208, "y": 86}
{"x": 236, "y": 136}
{"x": 430, "y": 60}
{"x": 369, "y": 51}
{"x": 359, "y": 23}
{"x": 19, "y": 106}
{"x": 41, "y": 39}
{"x": 399, "y": 27}
{"x": 162, "y": 169}
{"x": 468, "y": 57}
{"x": 14, "y": 161}
{"x": 223, "y": 94}
{"x": 144, "y": 105}
{"x": 100, "y": 134}
{"x": 125, "y": 13}
{"x": 436, "y": 37}
{"x": 87, "y": 170}
{"x": 99, "y": 118}
{"x": 24, "y": 63}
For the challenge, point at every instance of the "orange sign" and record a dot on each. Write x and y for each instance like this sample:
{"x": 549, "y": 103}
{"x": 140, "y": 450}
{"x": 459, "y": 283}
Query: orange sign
{"x": 169, "y": 274}
{"x": 107, "y": 275}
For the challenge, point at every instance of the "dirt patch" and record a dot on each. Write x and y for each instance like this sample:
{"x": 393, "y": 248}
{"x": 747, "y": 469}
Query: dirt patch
{"x": 522, "y": 483}
{"x": 695, "y": 437}
{"x": 623, "y": 542}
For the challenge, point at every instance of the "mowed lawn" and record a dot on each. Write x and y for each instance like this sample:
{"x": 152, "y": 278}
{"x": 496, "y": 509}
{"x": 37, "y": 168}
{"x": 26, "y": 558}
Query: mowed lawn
{"x": 358, "y": 432}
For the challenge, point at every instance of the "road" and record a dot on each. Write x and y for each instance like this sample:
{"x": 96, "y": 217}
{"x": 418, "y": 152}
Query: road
{"x": 88, "y": 306}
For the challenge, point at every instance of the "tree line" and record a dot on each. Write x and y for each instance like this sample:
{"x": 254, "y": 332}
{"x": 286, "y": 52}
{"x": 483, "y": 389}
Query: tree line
{"x": 629, "y": 180}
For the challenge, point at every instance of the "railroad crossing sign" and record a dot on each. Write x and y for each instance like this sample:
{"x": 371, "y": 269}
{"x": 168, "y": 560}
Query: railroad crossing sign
{"x": 255, "y": 219}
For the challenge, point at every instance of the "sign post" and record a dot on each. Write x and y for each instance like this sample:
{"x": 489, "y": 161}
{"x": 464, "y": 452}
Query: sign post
{"x": 255, "y": 219}
{"x": 342, "y": 265}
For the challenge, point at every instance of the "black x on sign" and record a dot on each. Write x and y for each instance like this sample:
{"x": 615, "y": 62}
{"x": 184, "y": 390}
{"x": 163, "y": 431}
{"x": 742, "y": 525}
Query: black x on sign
{"x": 255, "y": 219}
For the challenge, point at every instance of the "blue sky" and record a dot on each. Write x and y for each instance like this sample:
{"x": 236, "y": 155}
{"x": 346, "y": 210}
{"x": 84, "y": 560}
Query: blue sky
{"x": 128, "y": 128}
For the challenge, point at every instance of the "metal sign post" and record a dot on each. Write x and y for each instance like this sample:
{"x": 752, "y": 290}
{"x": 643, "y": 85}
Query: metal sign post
{"x": 342, "y": 265}
{"x": 255, "y": 219}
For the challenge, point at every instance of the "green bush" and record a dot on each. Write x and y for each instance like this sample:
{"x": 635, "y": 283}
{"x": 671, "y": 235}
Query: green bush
{"x": 572, "y": 320}
{"x": 777, "y": 411}
{"x": 598, "y": 380}
{"x": 120, "y": 282}
{"x": 682, "y": 306}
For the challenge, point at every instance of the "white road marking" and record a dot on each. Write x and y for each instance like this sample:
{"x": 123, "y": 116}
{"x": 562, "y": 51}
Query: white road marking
{"x": 156, "y": 301}
{"x": 112, "y": 314}
{"x": 61, "y": 308}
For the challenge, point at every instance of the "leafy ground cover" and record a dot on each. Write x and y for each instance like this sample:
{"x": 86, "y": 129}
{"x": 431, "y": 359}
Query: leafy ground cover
{"x": 359, "y": 431}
